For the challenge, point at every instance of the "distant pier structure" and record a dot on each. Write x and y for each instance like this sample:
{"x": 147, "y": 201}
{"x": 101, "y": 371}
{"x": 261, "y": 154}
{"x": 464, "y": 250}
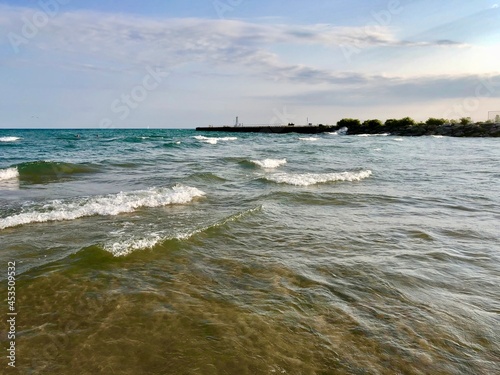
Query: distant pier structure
{"x": 290, "y": 128}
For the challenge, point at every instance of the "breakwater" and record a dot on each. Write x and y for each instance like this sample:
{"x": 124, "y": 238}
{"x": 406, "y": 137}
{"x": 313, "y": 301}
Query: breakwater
{"x": 422, "y": 129}
{"x": 400, "y": 128}
{"x": 315, "y": 129}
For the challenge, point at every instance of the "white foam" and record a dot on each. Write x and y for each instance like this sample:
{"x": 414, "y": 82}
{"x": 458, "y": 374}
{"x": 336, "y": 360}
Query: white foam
{"x": 269, "y": 163}
{"x": 8, "y": 174}
{"x": 437, "y": 136}
{"x": 373, "y": 135}
{"x": 9, "y": 139}
{"x": 341, "y": 131}
{"x": 214, "y": 140}
{"x": 108, "y": 205}
{"x": 309, "y": 139}
{"x": 9, "y": 179}
{"x": 128, "y": 246}
{"x": 398, "y": 139}
{"x": 306, "y": 179}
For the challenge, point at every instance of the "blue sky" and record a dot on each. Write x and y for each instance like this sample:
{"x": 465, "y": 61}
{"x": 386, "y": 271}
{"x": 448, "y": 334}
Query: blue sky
{"x": 176, "y": 64}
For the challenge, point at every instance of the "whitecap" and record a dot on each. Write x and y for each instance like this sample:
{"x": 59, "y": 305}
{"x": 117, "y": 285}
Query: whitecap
{"x": 373, "y": 135}
{"x": 306, "y": 179}
{"x": 8, "y": 174}
{"x": 341, "y": 131}
{"x": 128, "y": 246}
{"x": 269, "y": 163}
{"x": 9, "y": 139}
{"x": 214, "y": 140}
{"x": 309, "y": 139}
{"x": 108, "y": 205}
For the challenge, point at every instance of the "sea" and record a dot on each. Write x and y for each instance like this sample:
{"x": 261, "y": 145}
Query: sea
{"x": 172, "y": 251}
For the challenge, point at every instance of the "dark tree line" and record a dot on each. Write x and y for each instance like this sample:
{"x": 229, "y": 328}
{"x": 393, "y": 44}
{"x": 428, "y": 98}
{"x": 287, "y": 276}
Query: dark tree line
{"x": 408, "y": 126}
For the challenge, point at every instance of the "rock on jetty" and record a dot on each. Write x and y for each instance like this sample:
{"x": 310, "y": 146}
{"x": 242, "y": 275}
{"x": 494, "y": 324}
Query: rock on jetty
{"x": 408, "y": 127}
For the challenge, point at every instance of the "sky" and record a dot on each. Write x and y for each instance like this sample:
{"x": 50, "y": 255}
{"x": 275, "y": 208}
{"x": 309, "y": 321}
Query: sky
{"x": 182, "y": 64}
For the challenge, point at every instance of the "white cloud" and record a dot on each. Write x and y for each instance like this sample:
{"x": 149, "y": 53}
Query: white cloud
{"x": 133, "y": 42}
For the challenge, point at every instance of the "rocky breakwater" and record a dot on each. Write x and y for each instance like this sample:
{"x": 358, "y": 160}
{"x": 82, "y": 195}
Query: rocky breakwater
{"x": 408, "y": 127}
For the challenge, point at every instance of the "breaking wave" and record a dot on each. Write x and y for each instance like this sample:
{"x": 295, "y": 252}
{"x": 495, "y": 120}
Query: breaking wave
{"x": 8, "y": 174}
{"x": 307, "y": 179}
{"x": 128, "y": 246}
{"x": 9, "y": 139}
{"x": 125, "y": 247}
{"x": 309, "y": 139}
{"x": 373, "y": 135}
{"x": 108, "y": 205}
{"x": 213, "y": 140}
{"x": 269, "y": 163}
{"x": 341, "y": 131}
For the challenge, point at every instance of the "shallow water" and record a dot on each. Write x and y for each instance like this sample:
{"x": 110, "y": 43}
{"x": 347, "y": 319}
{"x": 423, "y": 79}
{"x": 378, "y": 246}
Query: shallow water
{"x": 175, "y": 252}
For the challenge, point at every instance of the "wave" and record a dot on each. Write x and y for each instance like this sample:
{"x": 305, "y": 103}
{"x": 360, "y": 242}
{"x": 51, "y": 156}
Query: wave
{"x": 310, "y": 139}
{"x": 46, "y": 171}
{"x": 128, "y": 246}
{"x": 109, "y": 205}
{"x": 8, "y": 174}
{"x": 172, "y": 144}
{"x": 213, "y": 140}
{"x": 341, "y": 131}
{"x": 373, "y": 135}
{"x": 207, "y": 177}
{"x": 133, "y": 139}
{"x": 306, "y": 179}
{"x": 269, "y": 163}
{"x": 9, "y": 139}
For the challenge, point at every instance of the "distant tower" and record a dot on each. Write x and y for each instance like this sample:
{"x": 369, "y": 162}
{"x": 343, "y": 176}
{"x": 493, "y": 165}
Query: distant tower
{"x": 236, "y": 123}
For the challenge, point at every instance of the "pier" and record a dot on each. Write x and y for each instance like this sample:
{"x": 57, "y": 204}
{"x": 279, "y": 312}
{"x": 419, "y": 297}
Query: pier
{"x": 279, "y": 129}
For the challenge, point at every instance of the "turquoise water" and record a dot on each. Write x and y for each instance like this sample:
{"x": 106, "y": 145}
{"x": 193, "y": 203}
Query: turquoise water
{"x": 179, "y": 252}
